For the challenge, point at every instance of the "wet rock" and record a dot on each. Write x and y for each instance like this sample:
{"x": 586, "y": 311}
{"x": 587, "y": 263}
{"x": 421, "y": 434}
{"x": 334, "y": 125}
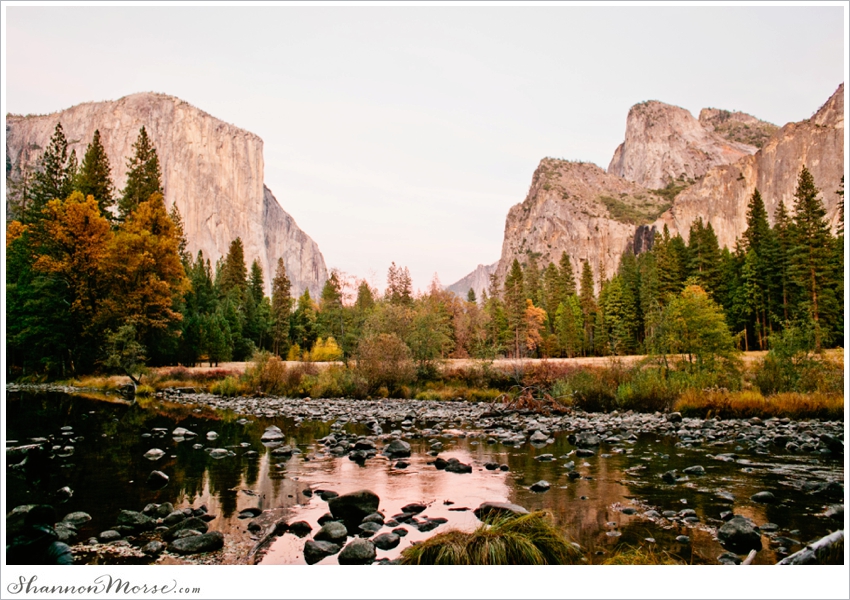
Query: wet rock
{"x": 833, "y": 444}
{"x": 206, "y": 542}
{"x": 135, "y": 520}
{"x": 254, "y": 527}
{"x": 455, "y": 466}
{"x": 386, "y": 541}
{"x": 674, "y": 417}
{"x": 181, "y": 432}
{"x": 186, "y": 533}
{"x": 498, "y": 508}
{"x": 358, "y": 455}
{"x": 669, "y": 477}
{"x": 359, "y": 551}
{"x": 726, "y": 515}
{"x": 425, "y": 526}
{"x": 64, "y": 494}
{"x": 326, "y": 518}
{"x": 316, "y": 550}
{"x": 212, "y": 435}
{"x": 397, "y": 449}
{"x": 219, "y": 453}
{"x": 157, "y": 480}
{"x": 695, "y": 470}
{"x": 584, "y": 452}
{"x": 326, "y": 495}
{"x": 683, "y": 539}
{"x": 586, "y": 440}
{"x": 538, "y": 437}
{"x": 836, "y": 511}
{"x": 375, "y": 517}
{"x": 352, "y": 508}
{"x": 65, "y": 532}
{"x": 768, "y": 527}
{"x": 333, "y": 531}
{"x": 369, "y": 528}
{"x": 413, "y": 508}
{"x": 154, "y": 454}
{"x": 504, "y": 468}
{"x": 491, "y": 466}
{"x": 763, "y": 498}
{"x": 190, "y": 523}
{"x": 574, "y": 475}
{"x": 250, "y": 513}
{"x": 77, "y": 518}
{"x": 729, "y": 558}
{"x": 441, "y": 463}
{"x": 545, "y": 457}
{"x": 540, "y": 486}
{"x": 173, "y": 518}
{"x": 272, "y": 434}
{"x": 739, "y": 535}
{"x": 153, "y": 548}
{"x": 400, "y": 531}
{"x": 300, "y": 528}
{"x": 284, "y": 451}
{"x": 110, "y": 535}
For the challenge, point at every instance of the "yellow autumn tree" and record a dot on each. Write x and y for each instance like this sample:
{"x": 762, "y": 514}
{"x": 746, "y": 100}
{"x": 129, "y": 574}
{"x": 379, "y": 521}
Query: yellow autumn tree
{"x": 73, "y": 240}
{"x": 534, "y": 319}
{"x": 146, "y": 276}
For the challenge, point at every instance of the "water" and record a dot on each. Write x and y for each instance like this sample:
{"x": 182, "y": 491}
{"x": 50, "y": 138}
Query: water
{"x": 106, "y": 470}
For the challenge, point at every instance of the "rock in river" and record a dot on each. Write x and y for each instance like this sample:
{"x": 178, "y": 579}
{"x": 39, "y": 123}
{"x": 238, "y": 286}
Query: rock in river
{"x": 739, "y": 535}
{"x": 135, "y": 520}
{"x": 499, "y": 508}
{"x": 206, "y": 542}
{"x": 272, "y": 434}
{"x": 386, "y": 541}
{"x": 190, "y": 523}
{"x": 397, "y": 449}
{"x": 314, "y": 551}
{"x": 358, "y": 552}
{"x": 157, "y": 480}
{"x": 332, "y": 531}
{"x": 354, "y": 507}
{"x": 540, "y": 486}
{"x": 763, "y": 498}
{"x": 154, "y": 454}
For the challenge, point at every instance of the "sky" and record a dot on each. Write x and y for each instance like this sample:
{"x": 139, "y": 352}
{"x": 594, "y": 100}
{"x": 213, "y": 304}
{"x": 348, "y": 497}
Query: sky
{"x": 406, "y": 133}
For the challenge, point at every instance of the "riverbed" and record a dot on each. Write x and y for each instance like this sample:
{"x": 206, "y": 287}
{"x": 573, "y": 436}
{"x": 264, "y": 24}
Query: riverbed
{"x": 612, "y": 480}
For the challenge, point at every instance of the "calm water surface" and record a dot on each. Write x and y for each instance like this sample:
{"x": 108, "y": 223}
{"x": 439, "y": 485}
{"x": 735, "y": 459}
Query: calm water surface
{"x": 101, "y": 448}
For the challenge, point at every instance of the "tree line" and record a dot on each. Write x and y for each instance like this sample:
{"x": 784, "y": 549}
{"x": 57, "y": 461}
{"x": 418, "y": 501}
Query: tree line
{"x": 95, "y": 274}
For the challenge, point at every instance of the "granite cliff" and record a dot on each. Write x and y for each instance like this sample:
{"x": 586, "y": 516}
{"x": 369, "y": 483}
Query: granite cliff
{"x": 211, "y": 170}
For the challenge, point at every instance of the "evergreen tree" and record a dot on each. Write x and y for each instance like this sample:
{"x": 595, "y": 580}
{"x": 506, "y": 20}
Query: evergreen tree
{"x": 281, "y": 308}
{"x": 53, "y": 179}
{"x": 568, "y": 281}
{"x": 399, "y": 285}
{"x": 365, "y": 298}
{"x": 587, "y": 301}
{"x": 649, "y": 296}
{"x": 759, "y": 276}
{"x": 470, "y": 296}
{"x": 234, "y": 273}
{"x": 515, "y": 308}
{"x": 256, "y": 283}
{"x": 144, "y": 177}
{"x": 303, "y": 322}
{"x": 95, "y": 177}
{"x": 810, "y": 266}
{"x": 183, "y": 244}
{"x": 569, "y": 326}
{"x": 618, "y": 307}
{"x": 838, "y": 265}
{"x": 704, "y": 256}
{"x": 531, "y": 279}
{"x": 782, "y": 234}
{"x": 551, "y": 293}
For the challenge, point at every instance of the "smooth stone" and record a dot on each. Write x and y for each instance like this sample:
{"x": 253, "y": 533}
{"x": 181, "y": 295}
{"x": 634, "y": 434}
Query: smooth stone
{"x": 353, "y": 507}
{"x": 110, "y": 535}
{"x": 300, "y": 528}
{"x": 189, "y": 523}
{"x": 739, "y": 535}
{"x": 174, "y": 518}
{"x": 186, "y": 533}
{"x": 386, "y": 541}
{"x": 135, "y": 520}
{"x": 77, "y": 518}
{"x": 414, "y": 508}
{"x": 157, "y": 479}
{"x": 206, "y": 542}
{"x": 272, "y": 434}
{"x": 369, "y": 528}
{"x": 540, "y": 486}
{"x": 763, "y": 498}
{"x": 316, "y": 550}
{"x": 358, "y": 552}
{"x": 332, "y": 531}
{"x": 500, "y": 509}
{"x": 153, "y": 548}
{"x": 154, "y": 454}
{"x": 397, "y": 449}
{"x": 695, "y": 470}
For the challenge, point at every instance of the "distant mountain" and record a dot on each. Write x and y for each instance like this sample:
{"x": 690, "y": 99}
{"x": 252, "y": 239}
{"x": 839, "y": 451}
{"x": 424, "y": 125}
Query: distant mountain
{"x": 478, "y": 280}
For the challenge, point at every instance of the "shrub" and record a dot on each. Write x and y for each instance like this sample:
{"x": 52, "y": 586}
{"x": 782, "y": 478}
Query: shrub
{"x": 508, "y": 540}
{"x": 145, "y": 390}
{"x": 229, "y": 386}
{"x": 648, "y": 390}
{"x": 384, "y": 361}
{"x": 325, "y": 350}
{"x": 751, "y": 403}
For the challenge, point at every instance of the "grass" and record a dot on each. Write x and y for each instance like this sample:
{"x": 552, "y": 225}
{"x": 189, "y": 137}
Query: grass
{"x": 515, "y": 540}
{"x": 635, "y": 211}
{"x": 746, "y": 404}
{"x": 637, "y": 555}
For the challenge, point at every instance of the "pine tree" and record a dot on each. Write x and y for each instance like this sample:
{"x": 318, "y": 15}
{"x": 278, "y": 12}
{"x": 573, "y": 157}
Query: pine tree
{"x": 470, "y": 296}
{"x": 587, "y": 301}
{"x": 782, "y": 234}
{"x": 568, "y": 281}
{"x": 760, "y": 277}
{"x": 809, "y": 260}
{"x": 182, "y": 248}
{"x": 838, "y": 264}
{"x": 551, "y": 293}
{"x": 515, "y": 308}
{"x": 94, "y": 177}
{"x": 256, "y": 283}
{"x": 399, "y": 285}
{"x": 281, "y": 309}
{"x": 54, "y": 177}
{"x": 144, "y": 177}
{"x": 531, "y": 279}
{"x": 704, "y": 256}
{"x": 234, "y": 273}
{"x": 569, "y": 326}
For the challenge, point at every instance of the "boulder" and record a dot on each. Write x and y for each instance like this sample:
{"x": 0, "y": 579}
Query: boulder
{"x": 359, "y": 551}
{"x": 314, "y": 551}
{"x": 833, "y": 444}
{"x": 369, "y": 528}
{"x": 153, "y": 548}
{"x": 332, "y": 531}
{"x": 386, "y": 541}
{"x": 586, "y": 440}
{"x": 695, "y": 470}
{"x": 300, "y": 528}
{"x": 397, "y": 449}
{"x": 763, "y": 498}
{"x": 499, "y": 508}
{"x": 157, "y": 480}
{"x": 135, "y": 520}
{"x": 206, "y": 542}
{"x": 154, "y": 454}
{"x": 272, "y": 434}
{"x": 110, "y": 535}
{"x": 739, "y": 535}
{"x": 455, "y": 466}
{"x": 414, "y": 508}
{"x": 173, "y": 518}
{"x": 540, "y": 486}
{"x": 354, "y": 507}
{"x": 189, "y": 523}
{"x": 77, "y": 518}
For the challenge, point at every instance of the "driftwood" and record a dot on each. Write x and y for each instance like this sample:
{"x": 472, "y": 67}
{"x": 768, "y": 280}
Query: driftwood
{"x": 19, "y": 450}
{"x": 813, "y": 553}
{"x": 750, "y": 558}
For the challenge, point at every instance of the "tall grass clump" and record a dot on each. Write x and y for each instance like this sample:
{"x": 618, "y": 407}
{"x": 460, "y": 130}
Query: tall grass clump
{"x": 635, "y": 555}
{"x": 751, "y": 403}
{"x": 648, "y": 390}
{"x": 506, "y": 540}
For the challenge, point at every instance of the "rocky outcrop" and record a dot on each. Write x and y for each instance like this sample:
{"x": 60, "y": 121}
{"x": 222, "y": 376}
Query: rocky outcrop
{"x": 737, "y": 126}
{"x": 579, "y": 209}
{"x": 722, "y": 195}
{"x": 478, "y": 280}
{"x": 211, "y": 170}
{"x": 665, "y": 144}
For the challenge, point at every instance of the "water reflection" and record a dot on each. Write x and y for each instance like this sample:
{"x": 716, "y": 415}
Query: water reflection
{"x": 107, "y": 471}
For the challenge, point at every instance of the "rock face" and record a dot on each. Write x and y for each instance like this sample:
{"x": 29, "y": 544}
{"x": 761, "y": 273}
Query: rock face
{"x": 721, "y": 196}
{"x": 666, "y": 143}
{"x": 579, "y": 209}
{"x": 594, "y": 215}
{"x": 211, "y": 170}
{"x": 478, "y": 280}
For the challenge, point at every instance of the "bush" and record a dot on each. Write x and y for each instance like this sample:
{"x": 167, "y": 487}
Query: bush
{"x": 648, "y": 390}
{"x": 384, "y": 361}
{"x": 337, "y": 382}
{"x": 508, "y": 540}
{"x": 272, "y": 376}
{"x": 751, "y": 403}
{"x": 325, "y": 350}
{"x": 592, "y": 390}
{"x": 229, "y": 386}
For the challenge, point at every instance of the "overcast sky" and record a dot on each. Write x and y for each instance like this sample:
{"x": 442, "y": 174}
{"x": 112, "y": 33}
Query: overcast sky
{"x": 406, "y": 133}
